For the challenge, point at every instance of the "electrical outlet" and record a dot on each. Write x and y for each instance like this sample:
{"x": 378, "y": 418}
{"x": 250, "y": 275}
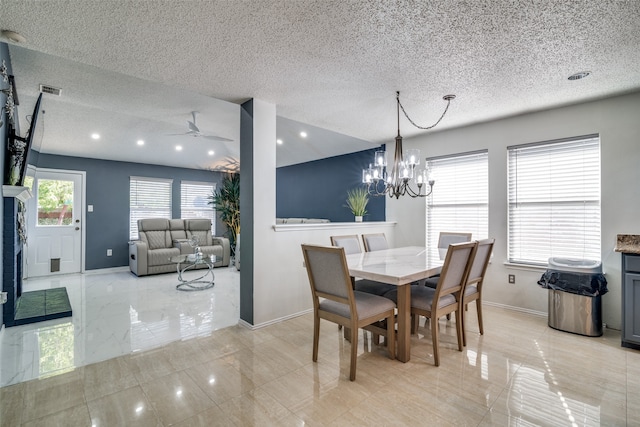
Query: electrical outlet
{"x": 109, "y": 252}
{"x": 512, "y": 278}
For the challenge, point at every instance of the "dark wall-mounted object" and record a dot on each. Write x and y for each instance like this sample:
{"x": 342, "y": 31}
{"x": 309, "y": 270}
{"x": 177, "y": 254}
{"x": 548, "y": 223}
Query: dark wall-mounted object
{"x": 17, "y": 150}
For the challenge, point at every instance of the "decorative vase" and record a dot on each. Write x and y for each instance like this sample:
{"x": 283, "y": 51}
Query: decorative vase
{"x": 358, "y": 219}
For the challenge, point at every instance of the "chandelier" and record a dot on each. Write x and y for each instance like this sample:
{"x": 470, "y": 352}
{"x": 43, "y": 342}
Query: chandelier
{"x": 405, "y": 170}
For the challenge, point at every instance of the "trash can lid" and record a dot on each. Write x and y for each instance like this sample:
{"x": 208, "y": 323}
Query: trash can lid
{"x": 576, "y": 265}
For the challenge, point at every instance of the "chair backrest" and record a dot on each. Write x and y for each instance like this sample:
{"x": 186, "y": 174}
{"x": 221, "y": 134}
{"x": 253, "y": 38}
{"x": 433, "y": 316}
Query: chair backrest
{"x": 480, "y": 261}
{"x": 455, "y": 269}
{"x": 374, "y": 242}
{"x": 328, "y": 273}
{"x": 446, "y": 238}
{"x": 201, "y": 229}
{"x": 155, "y": 233}
{"x": 351, "y": 243}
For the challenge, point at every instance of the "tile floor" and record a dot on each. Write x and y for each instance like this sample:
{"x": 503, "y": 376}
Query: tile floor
{"x": 166, "y": 358}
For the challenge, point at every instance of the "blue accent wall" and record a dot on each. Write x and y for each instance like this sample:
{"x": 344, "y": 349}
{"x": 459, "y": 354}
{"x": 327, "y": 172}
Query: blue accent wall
{"x": 107, "y": 189}
{"x": 318, "y": 189}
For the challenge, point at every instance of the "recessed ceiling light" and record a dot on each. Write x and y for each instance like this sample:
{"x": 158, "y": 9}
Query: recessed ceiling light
{"x": 580, "y": 75}
{"x": 211, "y": 152}
{"x": 13, "y": 36}
{"x": 140, "y": 142}
{"x": 178, "y": 147}
{"x": 303, "y": 134}
{"x": 279, "y": 141}
{"x": 95, "y": 136}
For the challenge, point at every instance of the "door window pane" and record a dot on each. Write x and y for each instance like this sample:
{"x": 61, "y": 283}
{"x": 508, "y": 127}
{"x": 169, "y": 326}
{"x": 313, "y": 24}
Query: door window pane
{"x": 55, "y": 202}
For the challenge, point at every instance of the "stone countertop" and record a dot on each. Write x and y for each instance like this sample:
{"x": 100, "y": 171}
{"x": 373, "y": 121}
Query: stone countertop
{"x": 628, "y": 243}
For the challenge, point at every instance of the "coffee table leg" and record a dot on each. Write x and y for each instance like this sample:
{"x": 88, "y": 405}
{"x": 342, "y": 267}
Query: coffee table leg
{"x": 192, "y": 285}
{"x": 404, "y": 323}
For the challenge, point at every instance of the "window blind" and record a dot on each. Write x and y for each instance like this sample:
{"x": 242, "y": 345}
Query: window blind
{"x": 554, "y": 200}
{"x": 460, "y": 199}
{"x": 148, "y": 198}
{"x": 194, "y": 201}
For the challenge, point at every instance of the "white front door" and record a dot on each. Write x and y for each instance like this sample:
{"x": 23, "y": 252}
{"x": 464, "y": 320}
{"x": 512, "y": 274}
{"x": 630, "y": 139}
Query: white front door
{"x": 54, "y": 227}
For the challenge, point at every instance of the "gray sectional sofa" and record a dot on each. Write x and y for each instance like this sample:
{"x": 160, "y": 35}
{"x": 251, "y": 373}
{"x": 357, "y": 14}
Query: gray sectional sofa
{"x": 160, "y": 239}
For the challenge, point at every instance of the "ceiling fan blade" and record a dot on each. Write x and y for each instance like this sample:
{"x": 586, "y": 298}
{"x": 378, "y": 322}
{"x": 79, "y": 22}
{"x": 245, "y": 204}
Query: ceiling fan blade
{"x": 217, "y": 138}
{"x": 192, "y": 127}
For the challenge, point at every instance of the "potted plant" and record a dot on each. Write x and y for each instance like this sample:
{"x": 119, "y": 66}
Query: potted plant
{"x": 226, "y": 201}
{"x": 357, "y": 200}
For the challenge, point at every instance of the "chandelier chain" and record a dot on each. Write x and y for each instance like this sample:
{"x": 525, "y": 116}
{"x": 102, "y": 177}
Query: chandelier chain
{"x": 421, "y": 127}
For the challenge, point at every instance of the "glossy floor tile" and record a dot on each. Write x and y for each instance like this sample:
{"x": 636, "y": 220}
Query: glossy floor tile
{"x": 195, "y": 369}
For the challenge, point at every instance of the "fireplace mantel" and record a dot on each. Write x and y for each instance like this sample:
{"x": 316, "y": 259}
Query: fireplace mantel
{"x": 20, "y": 193}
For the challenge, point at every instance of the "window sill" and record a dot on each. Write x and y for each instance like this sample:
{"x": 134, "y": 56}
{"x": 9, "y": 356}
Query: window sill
{"x": 524, "y": 267}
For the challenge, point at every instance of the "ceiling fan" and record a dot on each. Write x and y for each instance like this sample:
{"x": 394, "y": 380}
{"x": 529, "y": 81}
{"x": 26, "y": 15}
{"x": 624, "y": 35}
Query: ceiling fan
{"x": 195, "y": 131}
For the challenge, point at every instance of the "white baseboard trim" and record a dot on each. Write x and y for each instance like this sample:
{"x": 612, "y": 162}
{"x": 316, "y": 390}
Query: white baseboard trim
{"x": 301, "y": 313}
{"x": 514, "y": 308}
{"x": 271, "y": 322}
{"x": 107, "y": 270}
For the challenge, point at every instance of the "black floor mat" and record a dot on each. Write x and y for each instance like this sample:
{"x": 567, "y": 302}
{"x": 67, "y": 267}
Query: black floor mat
{"x": 38, "y": 306}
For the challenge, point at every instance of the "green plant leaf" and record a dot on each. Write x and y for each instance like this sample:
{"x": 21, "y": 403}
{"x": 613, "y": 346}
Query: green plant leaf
{"x": 357, "y": 200}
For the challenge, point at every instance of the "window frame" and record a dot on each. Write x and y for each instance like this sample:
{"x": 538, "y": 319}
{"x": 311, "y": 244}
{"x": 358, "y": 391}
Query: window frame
{"x": 441, "y": 200}
{"x": 209, "y": 209}
{"x": 535, "y": 186}
{"x": 164, "y": 212}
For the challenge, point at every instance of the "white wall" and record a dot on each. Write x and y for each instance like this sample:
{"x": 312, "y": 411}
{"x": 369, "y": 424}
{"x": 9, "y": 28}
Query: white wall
{"x": 281, "y": 289}
{"x": 616, "y": 119}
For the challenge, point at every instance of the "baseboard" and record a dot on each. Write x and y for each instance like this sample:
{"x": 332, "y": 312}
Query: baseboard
{"x": 271, "y": 322}
{"x": 514, "y": 308}
{"x": 108, "y": 270}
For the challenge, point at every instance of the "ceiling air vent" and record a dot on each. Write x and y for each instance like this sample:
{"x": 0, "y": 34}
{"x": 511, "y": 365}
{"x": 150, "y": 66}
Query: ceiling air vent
{"x": 51, "y": 90}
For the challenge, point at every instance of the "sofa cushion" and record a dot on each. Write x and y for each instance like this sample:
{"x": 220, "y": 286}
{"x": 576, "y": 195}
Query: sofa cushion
{"x": 176, "y": 227}
{"x": 147, "y": 224}
{"x": 161, "y": 256}
{"x": 156, "y": 239}
{"x": 200, "y": 228}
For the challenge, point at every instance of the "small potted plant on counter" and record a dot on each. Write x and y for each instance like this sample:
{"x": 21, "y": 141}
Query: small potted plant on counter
{"x": 357, "y": 200}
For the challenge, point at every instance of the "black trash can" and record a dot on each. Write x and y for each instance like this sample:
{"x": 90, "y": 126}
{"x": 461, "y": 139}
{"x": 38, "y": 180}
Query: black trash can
{"x": 575, "y": 288}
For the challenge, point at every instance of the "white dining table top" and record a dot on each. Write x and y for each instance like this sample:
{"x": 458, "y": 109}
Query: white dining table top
{"x": 397, "y": 266}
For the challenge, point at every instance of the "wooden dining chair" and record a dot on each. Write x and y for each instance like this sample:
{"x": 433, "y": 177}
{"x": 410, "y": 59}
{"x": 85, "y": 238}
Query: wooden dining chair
{"x": 351, "y": 245}
{"x": 473, "y": 288}
{"x": 446, "y": 238}
{"x": 329, "y": 279}
{"x": 446, "y": 297}
{"x": 374, "y": 242}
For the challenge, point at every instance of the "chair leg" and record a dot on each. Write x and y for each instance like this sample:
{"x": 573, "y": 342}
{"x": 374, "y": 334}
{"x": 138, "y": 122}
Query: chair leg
{"x": 415, "y": 319}
{"x": 462, "y": 322}
{"x": 459, "y": 329}
{"x": 435, "y": 340}
{"x": 354, "y": 352}
{"x": 391, "y": 336}
{"x": 316, "y": 336}
{"x": 479, "y": 310}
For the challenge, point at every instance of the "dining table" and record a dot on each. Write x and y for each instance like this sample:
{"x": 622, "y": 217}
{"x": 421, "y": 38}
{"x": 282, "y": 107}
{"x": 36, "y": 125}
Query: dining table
{"x": 400, "y": 267}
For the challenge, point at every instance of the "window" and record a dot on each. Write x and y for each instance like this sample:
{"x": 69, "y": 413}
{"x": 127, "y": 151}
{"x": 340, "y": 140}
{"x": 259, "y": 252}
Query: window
{"x": 55, "y": 202}
{"x": 554, "y": 200}
{"x": 460, "y": 199}
{"x": 194, "y": 201}
{"x": 148, "y": 198}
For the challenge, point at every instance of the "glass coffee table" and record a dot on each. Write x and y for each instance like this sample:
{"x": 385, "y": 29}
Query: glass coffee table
{"x": 191, "y": 262}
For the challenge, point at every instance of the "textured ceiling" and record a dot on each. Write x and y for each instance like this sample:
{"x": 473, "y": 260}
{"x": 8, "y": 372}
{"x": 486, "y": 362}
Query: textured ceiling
{"x": 336, "y": 65}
